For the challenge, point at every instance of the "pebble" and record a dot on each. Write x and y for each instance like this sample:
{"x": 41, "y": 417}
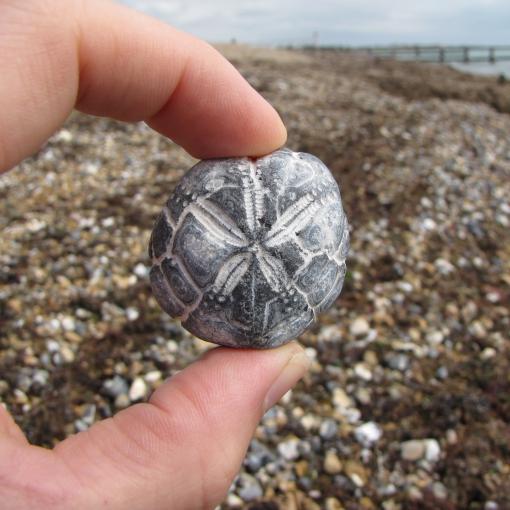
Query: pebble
{"x": 138, "y": 389}
{"x": 309, "y": 421}
{"x": 333, "y": 504}
{"x": 234, "y": 501}
{"x": 328, "y": 429}
{"x": 435, "y": 337}
{"x": 432, "y": 450}
{"x": 359, "y": 327}
{"x": 356, "y": 472}
{"x": 341, "y": 399}
{"x": 488, "y": 353}
{"x": 416, "y": 449}
{"x": 289, "y": 449}
{"x": 115, "y": 386}
{"x": 249, "y": 488}
{"x": 368, "y": 433}
{"x": 330, "y": 334}
{"x": 439, "y": 490}
{"x": 41, "y": 377}
{"x": 141, "y": 270}
{"x": 68, "y": 323}
{"x": 153, "y": 376}
{"x": 442, "y": 372}
{"x": 362, "y": 370}
{"x": 67, "y": 354}
{"x": 132, "y": 313}
{"x": 451, "y": 437}
{"x": 412, "y": 450}
{"x": 332, "y": 464}
{"x": 477, "y": 329}
{"x": 87, "y": 418}
{"x": 399, "y": 362}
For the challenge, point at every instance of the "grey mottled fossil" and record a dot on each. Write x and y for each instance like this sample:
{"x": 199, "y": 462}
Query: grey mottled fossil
{"x": 247, "y": 252}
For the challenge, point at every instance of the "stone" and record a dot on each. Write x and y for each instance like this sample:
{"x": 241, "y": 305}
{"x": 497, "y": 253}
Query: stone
{"x": 359, "y": 327}
{"x": 247, "y": 252}
{"x": 399, "y": 362}
{"x": 362, "y": 370}
{"x": 435, "y": 337}
{"x": 115, "y": 386}
{"x": 432, "y": 450}
{"x": 132, "y": 313}
{"x": 328, "y": 429}
{"x": 412, "y": 450}
{"x": 368, "y": 433}
{"x": 138, "y": 389}
{"x": 439, "y": 490}
{"x": 416, "y": 449}
{"x": 356, "y": 472}
{"x": 341, "y": 399}
{"x": 140, "y": 270}
{"x": 332, "y": 464}
{"x": 308, "y": 504}
{"x": 249, "y": 488}
{"x": 153, "y": 376}
{"x": 330, "y": 334}
{"x": 289, "y": 449}
{"x": 234, "y": 501}
{"x": 333, "y": 504}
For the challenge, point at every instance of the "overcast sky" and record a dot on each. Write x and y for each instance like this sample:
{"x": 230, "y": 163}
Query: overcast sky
{"x": 349, "y": 22}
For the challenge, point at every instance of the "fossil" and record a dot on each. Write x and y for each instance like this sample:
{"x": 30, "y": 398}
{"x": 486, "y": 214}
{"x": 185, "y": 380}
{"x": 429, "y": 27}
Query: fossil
{"x": 247, "y": 252}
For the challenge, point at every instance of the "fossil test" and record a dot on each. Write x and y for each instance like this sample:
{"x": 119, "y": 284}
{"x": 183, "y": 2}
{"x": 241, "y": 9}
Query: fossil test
{"x": 247, "y": 252}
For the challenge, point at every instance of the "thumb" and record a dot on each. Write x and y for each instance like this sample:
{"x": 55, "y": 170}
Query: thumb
{"x": 183, "y": 448}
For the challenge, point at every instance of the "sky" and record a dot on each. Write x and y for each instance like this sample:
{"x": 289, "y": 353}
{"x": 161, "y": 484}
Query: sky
{"x": 340, "y": 22}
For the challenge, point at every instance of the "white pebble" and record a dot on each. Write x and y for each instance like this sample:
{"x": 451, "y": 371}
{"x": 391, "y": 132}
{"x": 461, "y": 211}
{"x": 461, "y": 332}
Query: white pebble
{"x": 488, "y": 353}
{"x": 132, "y": 313}
{"x": 138, "y": 389}
{"x": 417, "y": 449}
{"x": 64, "y": 135}
{"x": 432, "y": 450}
{"x": 153, "y": 376}
{"x": 363, "y": 371}
{"x": 172, "y": 346}
{"x": 429, "y": 224}
{"x": 368, "y": 433}
{"x": 412, "y": 450}
{"x": 435, "y": 337}
{"x": 68, "y": 323}
{"x": 140, "y": 270}
{"x": 359, "y": 327}
{"x": 289, "y": 449}
{"x": 341, "y": 399}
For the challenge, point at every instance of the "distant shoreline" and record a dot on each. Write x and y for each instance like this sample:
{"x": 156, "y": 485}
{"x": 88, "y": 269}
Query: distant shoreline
{"x": 484, "y": 68}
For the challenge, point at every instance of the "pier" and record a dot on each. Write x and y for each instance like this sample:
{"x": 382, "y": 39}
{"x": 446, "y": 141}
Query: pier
{"x": 440, "y": 54}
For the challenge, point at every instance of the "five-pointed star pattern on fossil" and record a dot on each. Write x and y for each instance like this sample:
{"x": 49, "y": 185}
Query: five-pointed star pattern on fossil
{"x": 248, "y": 252}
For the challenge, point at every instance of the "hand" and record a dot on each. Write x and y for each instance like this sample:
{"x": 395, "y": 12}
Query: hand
{"x": 183, "y": 448}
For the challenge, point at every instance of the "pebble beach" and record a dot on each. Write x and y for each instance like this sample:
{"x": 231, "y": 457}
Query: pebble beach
{"x": 407, "y": 403}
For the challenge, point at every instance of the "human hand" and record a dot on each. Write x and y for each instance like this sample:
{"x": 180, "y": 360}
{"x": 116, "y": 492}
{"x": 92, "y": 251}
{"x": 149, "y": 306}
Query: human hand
{"x": 183, "y": 448}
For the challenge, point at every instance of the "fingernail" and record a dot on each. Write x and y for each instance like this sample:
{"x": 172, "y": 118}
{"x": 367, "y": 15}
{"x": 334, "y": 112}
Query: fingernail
{"x": 295, "y": 368}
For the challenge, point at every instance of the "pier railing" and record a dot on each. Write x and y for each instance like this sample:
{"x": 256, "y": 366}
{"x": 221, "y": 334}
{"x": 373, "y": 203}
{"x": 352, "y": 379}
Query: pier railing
{"x": 441, "y": 54}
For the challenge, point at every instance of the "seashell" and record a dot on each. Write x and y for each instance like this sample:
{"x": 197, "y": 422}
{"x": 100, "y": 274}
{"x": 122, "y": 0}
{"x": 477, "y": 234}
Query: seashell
{"x": 255, "y": 252}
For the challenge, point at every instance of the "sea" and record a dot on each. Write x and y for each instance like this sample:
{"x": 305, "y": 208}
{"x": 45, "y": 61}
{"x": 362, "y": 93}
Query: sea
{"x": 497, "y": 69}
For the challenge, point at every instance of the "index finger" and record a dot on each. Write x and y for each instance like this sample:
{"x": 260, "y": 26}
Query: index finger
{"x": 108, "y": 60}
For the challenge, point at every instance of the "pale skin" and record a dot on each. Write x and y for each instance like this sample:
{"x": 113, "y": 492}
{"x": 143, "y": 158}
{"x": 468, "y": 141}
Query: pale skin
{"x": 182, "y": 449}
